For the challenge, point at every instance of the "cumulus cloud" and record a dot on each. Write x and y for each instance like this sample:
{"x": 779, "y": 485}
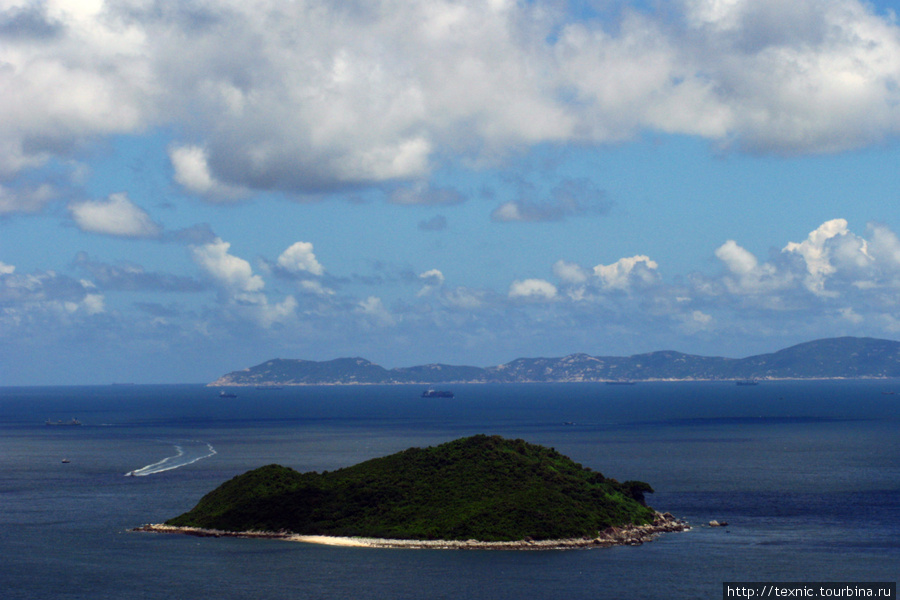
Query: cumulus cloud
{"x": 116, "y": 216}
{"x": 192, "y": 171}
{"x": 827, "y": 245}
{"x": 241, "y": 291}
{"x": 569, "y": 272}
{"x": 307, "y": 98}
{"x": 833, "y": 58}
{"x": 232, "y": 272}
{"x": 737, "y": 259}
{"x": 433, "y": 279}
{"x": 534, "y": 289}
{"x": 834, "y": 281}
{"x": 856, "y": 292}
{"x": 745, "y": 274}
{"x": 832, "y": 265}
{"x": 626, "y": 272}
{"x": 69, "y": 75}
{"x": 299, "y": 258}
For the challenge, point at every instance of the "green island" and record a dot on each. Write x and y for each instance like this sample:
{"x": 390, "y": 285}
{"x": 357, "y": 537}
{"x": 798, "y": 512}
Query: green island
{"x": 483, "y": 489}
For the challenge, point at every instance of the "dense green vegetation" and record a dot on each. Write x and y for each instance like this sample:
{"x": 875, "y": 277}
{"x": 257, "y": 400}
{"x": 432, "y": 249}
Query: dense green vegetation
{"x": 480, "y": 487}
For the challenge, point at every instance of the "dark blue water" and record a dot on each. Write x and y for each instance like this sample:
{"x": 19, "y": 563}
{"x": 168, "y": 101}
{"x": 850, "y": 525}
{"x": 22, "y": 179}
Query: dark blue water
{"x": 806, "y": 474}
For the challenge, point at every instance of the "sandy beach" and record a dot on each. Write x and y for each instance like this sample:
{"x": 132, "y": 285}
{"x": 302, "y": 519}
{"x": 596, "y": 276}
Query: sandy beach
{"x": 628, "y": 535}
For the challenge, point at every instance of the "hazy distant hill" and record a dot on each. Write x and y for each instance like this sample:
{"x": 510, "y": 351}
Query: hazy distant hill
{"x": 845, "y": 357}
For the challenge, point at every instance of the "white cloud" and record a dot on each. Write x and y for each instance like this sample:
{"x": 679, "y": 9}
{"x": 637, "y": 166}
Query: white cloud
{"x": 283, "y": 311}
{"x": 75, "y": 75}
{"x": 570, "y": 272}
{"x": 233, "y": 272}
{"x": 432, "y": 276}
{"x": 738, "y": 260}
{"x": 93, "y": 304}
{"x": 746, "y": 275}
{"x": 827, "y": 247}
{"x": 46, "y": 298}
{"x": 804, "y": 76}
{"x": 373, "y": 308}
{"x": 402, "y": 160}
{"x": 627, "y": 272}
{"x": 850, "y": 315}
{"x": 312, "y": 286}
{"x": 466, "y": 299}
{"x": 884, "y": 247}
{"x": 192, "y": 171}
{"x": 299, "y": 258}
{"x": 304, "y": 98}
{"x": 116, "y": 216}
{"x": 536, "y": 289}
{"x": 508, "y": 212}
{"x": 243, "y": 299}
{"x": 433, "y": 279}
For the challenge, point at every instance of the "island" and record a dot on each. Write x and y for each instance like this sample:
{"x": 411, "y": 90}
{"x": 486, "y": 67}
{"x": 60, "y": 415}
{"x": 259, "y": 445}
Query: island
{"x": 833, "y": 358}
{"x": 475, "y": 492}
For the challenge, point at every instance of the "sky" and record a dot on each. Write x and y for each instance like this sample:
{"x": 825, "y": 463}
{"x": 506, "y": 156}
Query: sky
{"x": 189, "y": 188}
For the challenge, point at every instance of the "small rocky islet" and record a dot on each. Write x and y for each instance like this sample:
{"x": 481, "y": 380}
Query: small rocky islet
{"x": 479, "y": 491}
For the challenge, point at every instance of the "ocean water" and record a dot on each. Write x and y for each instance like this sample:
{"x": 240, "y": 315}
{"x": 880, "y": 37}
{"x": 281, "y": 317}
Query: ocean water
{"x": 806, "y": 473}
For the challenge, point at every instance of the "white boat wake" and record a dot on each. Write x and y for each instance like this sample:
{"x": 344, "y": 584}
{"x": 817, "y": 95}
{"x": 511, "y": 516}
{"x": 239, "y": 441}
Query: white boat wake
{"x": 187, "y": 453}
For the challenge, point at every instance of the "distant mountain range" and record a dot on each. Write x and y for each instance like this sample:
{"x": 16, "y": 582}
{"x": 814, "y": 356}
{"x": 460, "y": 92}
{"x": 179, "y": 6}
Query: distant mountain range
{"x": 846, "y": 357}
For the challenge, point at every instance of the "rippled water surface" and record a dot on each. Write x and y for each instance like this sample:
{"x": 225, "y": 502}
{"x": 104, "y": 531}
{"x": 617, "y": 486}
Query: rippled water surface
{"x": 806, "y": 473}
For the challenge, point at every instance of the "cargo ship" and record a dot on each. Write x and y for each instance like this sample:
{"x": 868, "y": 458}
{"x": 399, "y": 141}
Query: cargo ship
{"x": 431, "y": 393}
{"x": 72, "y": 421}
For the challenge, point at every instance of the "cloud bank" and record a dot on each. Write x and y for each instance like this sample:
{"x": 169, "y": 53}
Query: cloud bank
{"x": 312, "y": 97}
{"x": 832, "y": 282}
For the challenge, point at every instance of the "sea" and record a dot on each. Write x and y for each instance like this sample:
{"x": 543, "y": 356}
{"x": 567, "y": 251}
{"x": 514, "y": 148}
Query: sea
{"x": 805, "y": 473}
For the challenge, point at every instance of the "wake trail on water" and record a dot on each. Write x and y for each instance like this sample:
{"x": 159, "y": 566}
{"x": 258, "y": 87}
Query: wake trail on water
{"x": 187, "y": 453}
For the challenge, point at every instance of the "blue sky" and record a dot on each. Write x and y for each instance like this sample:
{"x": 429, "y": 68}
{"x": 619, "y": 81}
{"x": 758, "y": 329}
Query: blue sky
{"x": 190, "y": 188}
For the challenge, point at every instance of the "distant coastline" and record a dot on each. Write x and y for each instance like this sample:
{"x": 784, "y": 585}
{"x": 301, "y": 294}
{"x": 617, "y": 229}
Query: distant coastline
{"x": 827, "y": 359}
{"x": 525, "y": 381}
{"x": 627, "y": 535}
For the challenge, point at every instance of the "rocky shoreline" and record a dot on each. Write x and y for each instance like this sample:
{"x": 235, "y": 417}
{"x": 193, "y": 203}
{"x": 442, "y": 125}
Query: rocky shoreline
{"x": 626, "y": 535}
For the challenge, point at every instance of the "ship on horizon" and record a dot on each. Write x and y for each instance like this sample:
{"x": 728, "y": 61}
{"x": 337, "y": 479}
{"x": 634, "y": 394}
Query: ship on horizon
{"x": 433, "y": 393}
{"x": 72, "y": 421}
